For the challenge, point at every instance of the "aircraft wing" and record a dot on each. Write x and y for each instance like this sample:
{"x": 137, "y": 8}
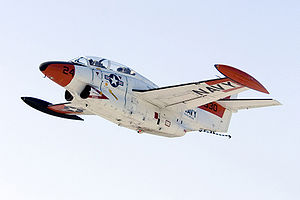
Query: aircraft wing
{"x": 64, "y": 110}
{"x": 191, "y": 95}
{"x": 195, "y": 94}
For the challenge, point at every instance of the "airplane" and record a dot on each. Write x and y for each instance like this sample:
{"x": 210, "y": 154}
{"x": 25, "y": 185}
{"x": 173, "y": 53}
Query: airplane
{"x": 99, "y": 86}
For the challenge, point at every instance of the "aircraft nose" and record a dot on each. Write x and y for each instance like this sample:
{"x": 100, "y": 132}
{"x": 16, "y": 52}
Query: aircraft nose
{"x": 61, "y": 73}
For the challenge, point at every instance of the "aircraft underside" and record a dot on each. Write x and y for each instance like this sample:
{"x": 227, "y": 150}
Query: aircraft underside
{"x": 97, "y": 86}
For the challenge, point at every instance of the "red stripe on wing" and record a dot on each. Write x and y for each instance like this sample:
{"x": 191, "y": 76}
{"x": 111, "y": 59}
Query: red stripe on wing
{"x": 62, "y": 108}
{"x": 222, "y": 80}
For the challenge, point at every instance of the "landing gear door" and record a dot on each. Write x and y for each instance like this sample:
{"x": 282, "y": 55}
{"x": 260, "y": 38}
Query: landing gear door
{"x": 97, "y": 78}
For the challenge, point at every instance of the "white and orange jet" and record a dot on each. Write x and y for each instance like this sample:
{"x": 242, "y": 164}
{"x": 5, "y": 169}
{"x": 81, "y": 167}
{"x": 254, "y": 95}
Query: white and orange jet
{"x": 98, "y": 86}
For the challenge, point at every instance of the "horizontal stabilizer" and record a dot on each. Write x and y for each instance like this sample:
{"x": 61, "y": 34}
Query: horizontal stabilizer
{"x": 51, "y": 109}
{"x": 239, "y": 104}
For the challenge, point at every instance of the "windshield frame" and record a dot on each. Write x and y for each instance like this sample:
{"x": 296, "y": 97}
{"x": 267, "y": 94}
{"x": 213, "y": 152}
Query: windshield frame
{"x": 98, "y": 62}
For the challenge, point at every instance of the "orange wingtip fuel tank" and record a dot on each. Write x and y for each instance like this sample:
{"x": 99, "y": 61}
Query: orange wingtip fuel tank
{"x": 60, "y": 72}
{"x": 241, "y": 77}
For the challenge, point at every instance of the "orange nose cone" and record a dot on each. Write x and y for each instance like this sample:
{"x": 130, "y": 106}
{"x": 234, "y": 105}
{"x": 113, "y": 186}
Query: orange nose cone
{"x": 60, "y": 72}
{"x": 241, "y": 77}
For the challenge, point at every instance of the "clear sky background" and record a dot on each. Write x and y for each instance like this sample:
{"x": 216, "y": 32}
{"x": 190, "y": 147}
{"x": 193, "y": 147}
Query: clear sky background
{"x": 170, "y": 42}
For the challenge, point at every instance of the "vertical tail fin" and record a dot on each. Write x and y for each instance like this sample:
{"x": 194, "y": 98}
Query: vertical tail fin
{"x": 214, "y": 116}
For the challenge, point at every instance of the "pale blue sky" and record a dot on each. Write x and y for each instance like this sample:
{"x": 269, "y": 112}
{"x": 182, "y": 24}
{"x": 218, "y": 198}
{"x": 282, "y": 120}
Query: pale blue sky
{"x": 170, "y": 42}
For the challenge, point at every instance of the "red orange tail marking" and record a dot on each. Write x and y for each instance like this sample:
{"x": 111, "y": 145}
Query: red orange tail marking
{"x": 214, "y": 108}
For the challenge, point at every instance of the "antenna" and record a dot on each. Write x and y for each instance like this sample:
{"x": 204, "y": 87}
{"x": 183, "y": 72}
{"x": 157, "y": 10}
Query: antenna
{"x": 214, "y": 133}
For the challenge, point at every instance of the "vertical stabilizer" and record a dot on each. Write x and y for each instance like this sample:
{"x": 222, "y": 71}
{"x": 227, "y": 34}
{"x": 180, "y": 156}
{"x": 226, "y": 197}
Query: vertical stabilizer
{"x": 213, "y": 116}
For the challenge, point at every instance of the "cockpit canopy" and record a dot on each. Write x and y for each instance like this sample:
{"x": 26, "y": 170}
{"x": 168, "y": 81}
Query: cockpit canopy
{"x": 98, "y": 62}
